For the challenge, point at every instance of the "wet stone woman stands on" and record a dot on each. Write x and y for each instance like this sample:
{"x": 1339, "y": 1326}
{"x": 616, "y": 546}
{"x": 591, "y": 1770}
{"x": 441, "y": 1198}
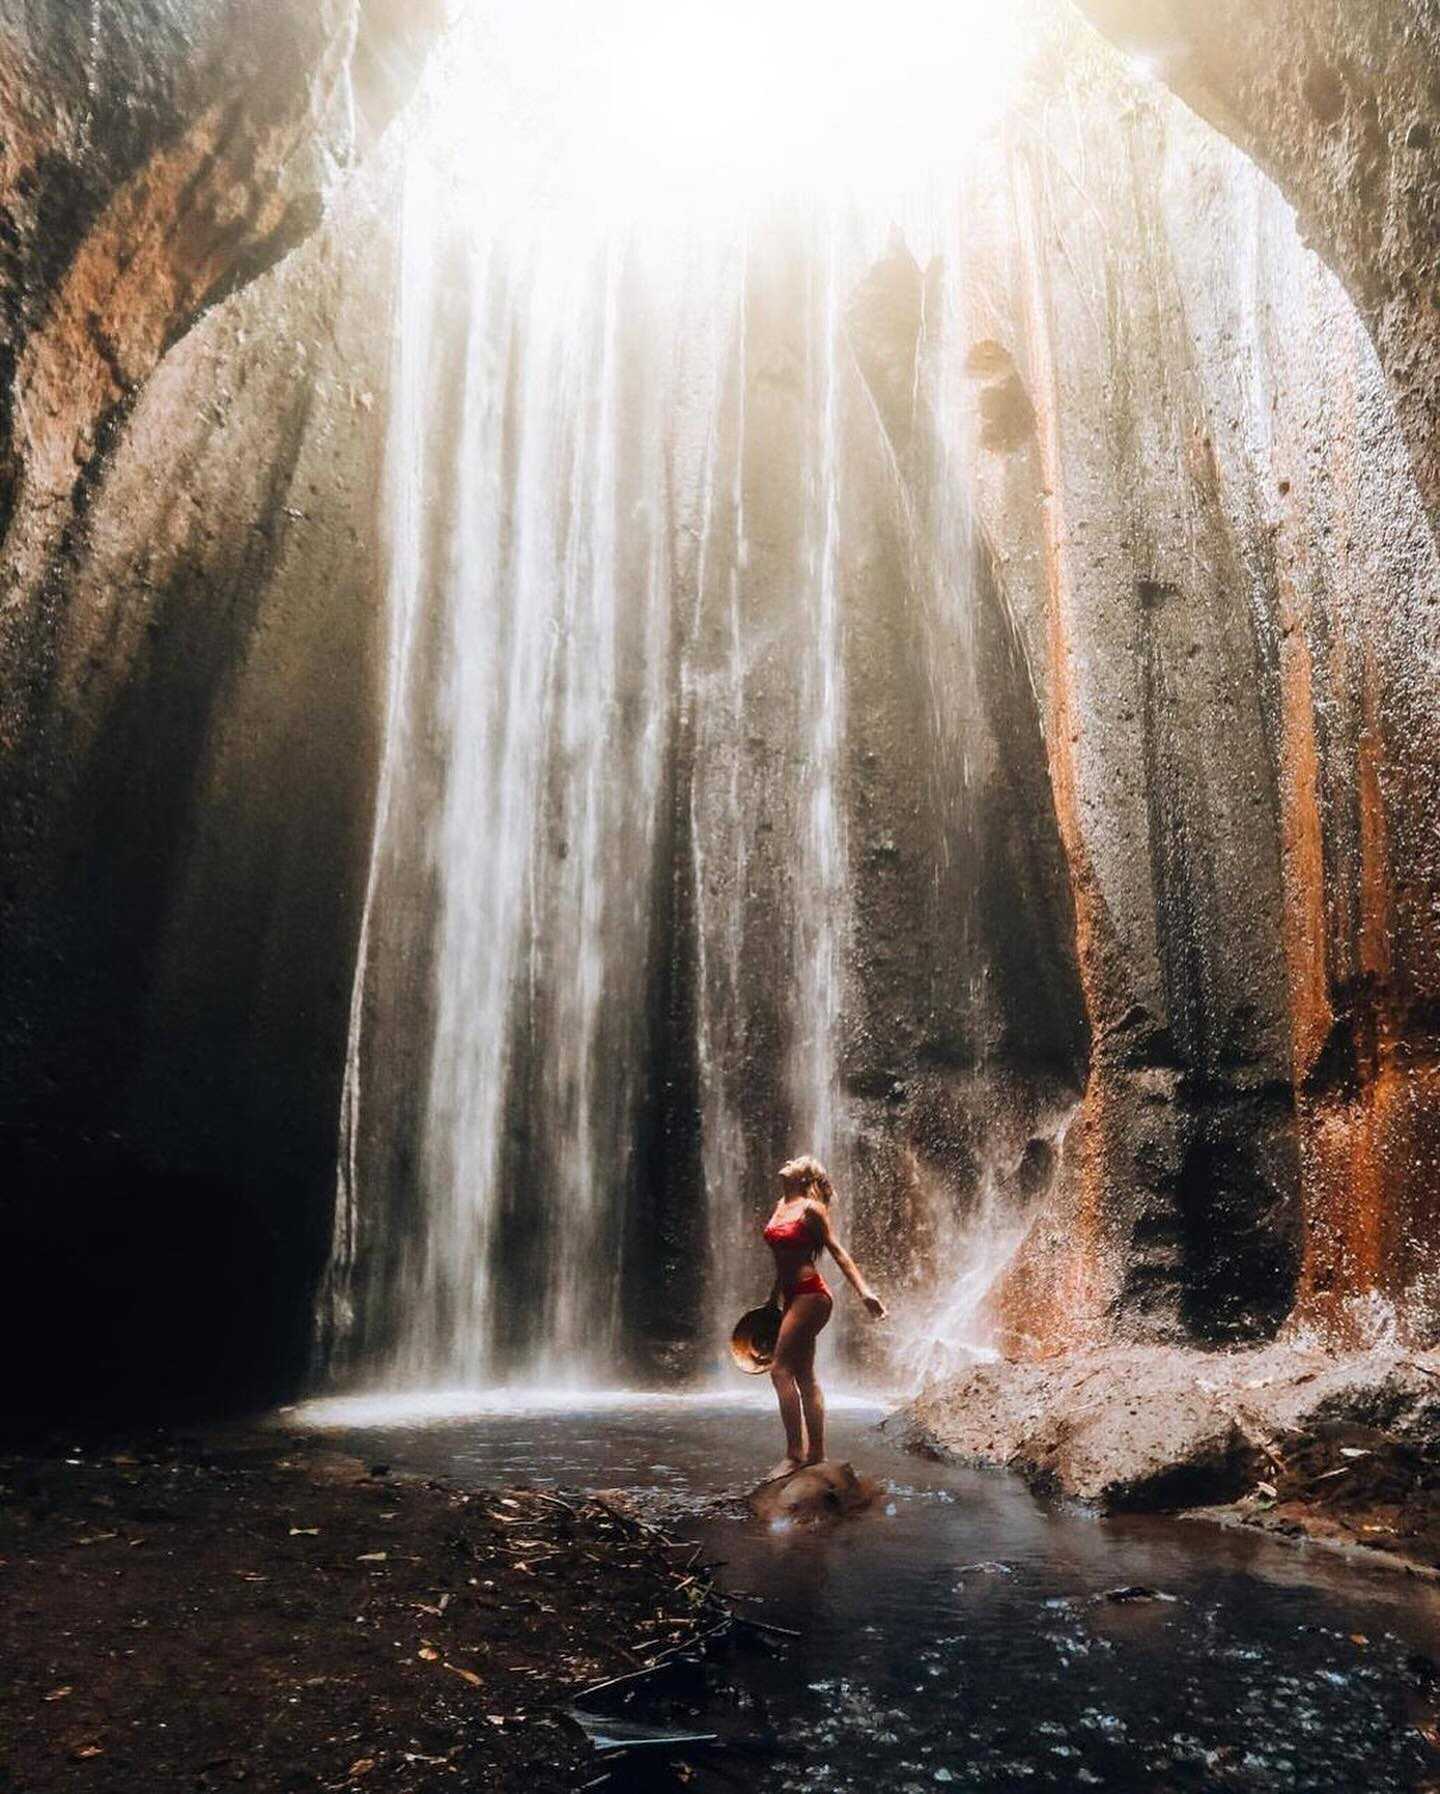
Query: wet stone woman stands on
{"x": 796, "y": 1232}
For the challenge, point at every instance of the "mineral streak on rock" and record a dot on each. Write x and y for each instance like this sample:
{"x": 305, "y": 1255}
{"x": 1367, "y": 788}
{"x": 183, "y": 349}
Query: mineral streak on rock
{"x": 1055, "y": 1294}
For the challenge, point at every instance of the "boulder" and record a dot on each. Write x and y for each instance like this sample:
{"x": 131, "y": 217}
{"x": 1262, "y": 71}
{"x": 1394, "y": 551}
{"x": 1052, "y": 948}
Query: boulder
{"x": 819, "y": 1492}
{"x": 1133, "y": 1428}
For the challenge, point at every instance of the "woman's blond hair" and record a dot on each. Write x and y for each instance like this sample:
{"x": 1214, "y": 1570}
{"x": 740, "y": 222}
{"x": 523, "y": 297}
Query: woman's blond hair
{"x": 811, "y": 1173}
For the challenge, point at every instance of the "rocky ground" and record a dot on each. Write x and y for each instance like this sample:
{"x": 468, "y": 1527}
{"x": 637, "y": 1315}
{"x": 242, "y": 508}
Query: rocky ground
{"x": 1343, "y": 1450}
{"x": 262, "y": 1613}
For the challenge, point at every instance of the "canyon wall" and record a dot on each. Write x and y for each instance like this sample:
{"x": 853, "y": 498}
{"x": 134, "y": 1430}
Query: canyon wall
{"x": 1138, "y": 781}
{"x": 1221, "y": 526}
{"x": 188, "y": 696}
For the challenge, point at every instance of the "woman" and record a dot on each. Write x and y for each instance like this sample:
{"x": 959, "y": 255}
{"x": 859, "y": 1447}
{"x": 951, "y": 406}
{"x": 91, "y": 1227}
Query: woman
{"x": 795, "y": 1233}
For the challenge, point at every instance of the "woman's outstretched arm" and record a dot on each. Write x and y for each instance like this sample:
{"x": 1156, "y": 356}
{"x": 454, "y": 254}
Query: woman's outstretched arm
{"x": 821, "y": 1218}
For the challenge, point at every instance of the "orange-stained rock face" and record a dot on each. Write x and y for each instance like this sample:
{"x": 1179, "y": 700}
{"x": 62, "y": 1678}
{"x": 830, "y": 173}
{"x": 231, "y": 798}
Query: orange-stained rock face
{"x": 1222, "y": 530}
{"x": 1054, "y": 1296}
{"x": 1337, "y": 103}
{"x": 1057, "y": 1292}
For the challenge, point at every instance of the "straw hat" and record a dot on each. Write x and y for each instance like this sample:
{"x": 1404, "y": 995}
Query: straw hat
{"x": 752, "y": 1344}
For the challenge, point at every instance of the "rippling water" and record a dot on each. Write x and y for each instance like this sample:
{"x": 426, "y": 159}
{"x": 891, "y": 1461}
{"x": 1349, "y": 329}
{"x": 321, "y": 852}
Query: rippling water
{"x": 959, "y": 1634}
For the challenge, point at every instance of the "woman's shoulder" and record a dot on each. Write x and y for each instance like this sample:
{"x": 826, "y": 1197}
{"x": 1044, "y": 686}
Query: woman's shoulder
{"x": 816, "y": 1213}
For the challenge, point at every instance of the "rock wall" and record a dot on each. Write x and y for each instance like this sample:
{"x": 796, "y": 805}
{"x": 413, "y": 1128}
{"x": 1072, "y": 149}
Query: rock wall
{"x": 1337, "y": 102}
{"x": 1218, "y": 528}
{"x": 1198, "y": 848}
{"x": 187, "y": 701}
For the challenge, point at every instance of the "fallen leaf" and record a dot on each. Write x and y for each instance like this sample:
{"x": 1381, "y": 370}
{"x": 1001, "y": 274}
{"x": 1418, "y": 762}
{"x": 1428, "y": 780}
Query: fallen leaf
{"x": 82, "y": 1751}
{"x": 1267, "y": 1489}
{"x": 97, "y": 1538}
{"x": 495, "y": 1718}
{"x": 361, "y": 1766}
{"x": 428, "y": 1655}
{"x": 1353, "y": 1451}
{"x": 372, "y": 1557}
{"x": 304, "y": 1532}
{"x": 58, "y": 1694}
{"x": 466, "y": 1674}
{"x": 1359, "y": 1638}
{"x": 251, "y": 1576}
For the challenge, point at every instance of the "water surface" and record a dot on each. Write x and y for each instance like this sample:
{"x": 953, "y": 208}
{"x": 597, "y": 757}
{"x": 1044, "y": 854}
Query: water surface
{"x": 960, "y": 1634}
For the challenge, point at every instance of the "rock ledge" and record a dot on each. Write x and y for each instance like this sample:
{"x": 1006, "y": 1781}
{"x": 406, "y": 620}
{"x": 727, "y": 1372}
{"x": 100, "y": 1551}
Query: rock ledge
{"x": 1129, "y": 1428}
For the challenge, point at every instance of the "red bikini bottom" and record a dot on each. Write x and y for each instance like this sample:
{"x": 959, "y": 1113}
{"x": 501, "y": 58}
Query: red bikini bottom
{"x": 808, "y": 1283}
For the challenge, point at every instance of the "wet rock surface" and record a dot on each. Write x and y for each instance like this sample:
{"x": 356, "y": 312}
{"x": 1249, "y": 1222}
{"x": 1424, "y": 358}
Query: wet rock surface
{"x": 819, "y": 1492}
{"x": 1351, "y": 1439}
{"x": 1234, "y": 728}
{"x": 185, "y": 903}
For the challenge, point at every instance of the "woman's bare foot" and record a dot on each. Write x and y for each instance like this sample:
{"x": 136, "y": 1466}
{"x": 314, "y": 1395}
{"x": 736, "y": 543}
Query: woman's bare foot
{"x": 814, "y": 1457}
{"x": 786, "y": 1467}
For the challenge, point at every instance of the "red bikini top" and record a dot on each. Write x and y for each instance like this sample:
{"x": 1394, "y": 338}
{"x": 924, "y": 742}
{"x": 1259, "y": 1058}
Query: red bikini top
{"x": 791, "y": 1233}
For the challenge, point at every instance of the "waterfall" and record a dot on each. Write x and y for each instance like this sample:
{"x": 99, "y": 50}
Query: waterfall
{"x": 820, "y": 870}
{"x": 719, "y": 825}
{"x": 607, "y": 972}
{"x": 593, "y": 498}
{"x": 552, "y": 715}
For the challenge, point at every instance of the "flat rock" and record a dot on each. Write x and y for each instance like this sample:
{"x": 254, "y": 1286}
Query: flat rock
{"x": 827, "y": 1491}
{"x": 1137, "y": 1427}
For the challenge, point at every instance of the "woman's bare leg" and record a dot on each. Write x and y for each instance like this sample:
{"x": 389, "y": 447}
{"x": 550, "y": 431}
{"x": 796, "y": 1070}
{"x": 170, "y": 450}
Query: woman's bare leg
{"x": 802, "y": 1405}
{"x": 812, "y": 1407}
{"x": 792, "y": 1417}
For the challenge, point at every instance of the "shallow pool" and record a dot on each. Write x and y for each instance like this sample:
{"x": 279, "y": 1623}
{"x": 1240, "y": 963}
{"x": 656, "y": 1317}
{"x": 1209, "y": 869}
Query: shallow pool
{"x": 963, "y": 1634}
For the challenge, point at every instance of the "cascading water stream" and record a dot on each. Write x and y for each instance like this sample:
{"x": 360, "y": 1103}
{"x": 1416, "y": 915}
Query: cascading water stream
{"x": 713, "y": 694}
{"x": 621, "y": 514}
{"x": 820, "y": 871}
